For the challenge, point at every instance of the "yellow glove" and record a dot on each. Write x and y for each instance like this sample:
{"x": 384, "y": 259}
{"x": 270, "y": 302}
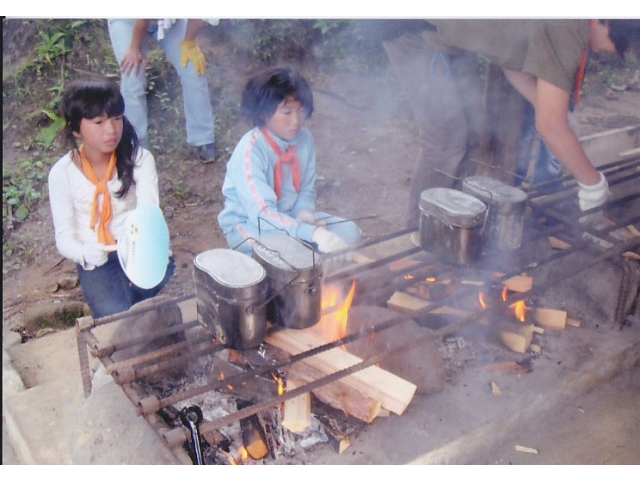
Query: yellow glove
{"x": 189, "y": 50}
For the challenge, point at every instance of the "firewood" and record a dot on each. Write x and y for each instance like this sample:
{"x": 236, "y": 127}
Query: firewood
{"x": 520, "y": 448}
{"x": 492, "y": 367}
{"x": 519, "y": 283}
{"x": 634, "y": 230}
{"x": 495, "y": 389}
{"x": 296, "y": 413}
{"x": 550, "y": 318}
{"x": 558, "y": 244}
{"x": 573, "y": 322}
{"x": 422, "y": 365}
{"x": 393, "y": 392}
{"x": 518, "y": 337}
{"x": 337, "y": 439}
{"x": 403, "y": 302}
{"x": 336, "y": 394}
{"x": 253, "y": 436}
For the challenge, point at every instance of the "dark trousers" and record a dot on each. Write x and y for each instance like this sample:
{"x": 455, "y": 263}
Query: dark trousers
{"x": 444, "y": 93}
{"x": 107, "y": 290}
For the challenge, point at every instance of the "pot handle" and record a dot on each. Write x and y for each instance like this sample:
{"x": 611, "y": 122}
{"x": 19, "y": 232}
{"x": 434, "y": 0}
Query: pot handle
{"x": 250, "y": 308}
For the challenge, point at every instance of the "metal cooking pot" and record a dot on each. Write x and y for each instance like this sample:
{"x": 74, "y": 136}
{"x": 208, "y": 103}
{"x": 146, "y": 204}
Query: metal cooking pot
{"x": 506, "y": 206}
{"x": 451, "y": 225}
{"x": 294, "y": 272}
{"x": 231, "y": 295}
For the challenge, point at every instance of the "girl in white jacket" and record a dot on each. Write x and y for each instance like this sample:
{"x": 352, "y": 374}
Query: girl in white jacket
{"x": 93, "y": 187}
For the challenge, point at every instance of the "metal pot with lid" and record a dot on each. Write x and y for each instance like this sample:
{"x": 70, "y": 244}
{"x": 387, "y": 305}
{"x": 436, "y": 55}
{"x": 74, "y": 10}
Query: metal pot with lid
{"x": 294, "y": 272}
{"x": 231, "y": 294}
{"x": 506, "y": 206}
{"x": 451, "y": 225}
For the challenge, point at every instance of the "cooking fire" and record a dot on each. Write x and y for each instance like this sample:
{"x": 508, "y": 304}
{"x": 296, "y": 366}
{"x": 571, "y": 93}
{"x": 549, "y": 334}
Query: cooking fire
{"x": 283, "y": 351}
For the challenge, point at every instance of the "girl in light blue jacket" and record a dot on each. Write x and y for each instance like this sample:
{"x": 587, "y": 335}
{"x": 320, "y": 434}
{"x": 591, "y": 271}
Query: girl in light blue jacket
{"x": 269, "y": 183}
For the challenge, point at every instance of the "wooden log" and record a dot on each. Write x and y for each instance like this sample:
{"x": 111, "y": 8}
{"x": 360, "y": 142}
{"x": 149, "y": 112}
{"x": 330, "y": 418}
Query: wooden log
{"x": 558, "y": 244}
{"x": 338, "y": 440}
{"x": 519, "y": 283}
{"x": 296, "y": 413}
{"x": 403, "y": 302}
{"x": 422, "y": 365}
{"x": 253, "y": 435}
{"x": 518, "y": 337}
{"x": 550, "y": 318}
{"x": 336, "y": 394}
{"x": 393, "y": 392}
{"x": 573, "y": 322}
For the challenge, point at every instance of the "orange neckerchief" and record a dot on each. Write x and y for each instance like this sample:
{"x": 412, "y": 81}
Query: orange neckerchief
{"x": 287, "y": 157}
{"x": 104, "y": 236}
{"x": 580, "y": 74}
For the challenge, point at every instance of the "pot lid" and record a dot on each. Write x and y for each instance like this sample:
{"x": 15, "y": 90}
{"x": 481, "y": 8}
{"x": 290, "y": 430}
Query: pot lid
{"x": 452, "y": 206}
{"x": 286, "y": 253}
{"x": 491, "y": 190}
{"x": 230, "y": 267}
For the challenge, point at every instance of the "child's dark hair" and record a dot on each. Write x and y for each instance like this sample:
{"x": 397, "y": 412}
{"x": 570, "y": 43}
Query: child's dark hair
{"x": 265, "y": 91}
{"x": 89, "y": 98}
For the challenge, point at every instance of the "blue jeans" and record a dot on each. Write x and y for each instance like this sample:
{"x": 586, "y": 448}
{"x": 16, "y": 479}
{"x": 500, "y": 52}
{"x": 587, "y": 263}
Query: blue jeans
{"x": 347, "y": 230}
{"x": 547, "y": 167}
{"x": 195, "y": 89}
{"x": 107, "y": 290}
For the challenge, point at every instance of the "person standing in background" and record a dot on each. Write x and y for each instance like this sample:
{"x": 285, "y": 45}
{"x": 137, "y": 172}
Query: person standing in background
{"x": 177, "y": 38}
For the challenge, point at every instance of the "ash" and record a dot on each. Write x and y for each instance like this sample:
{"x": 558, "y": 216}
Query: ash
{"x": 225, "y": 446}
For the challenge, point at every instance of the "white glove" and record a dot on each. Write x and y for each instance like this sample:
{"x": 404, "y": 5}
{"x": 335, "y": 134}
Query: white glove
{"x": 593, "y": 196}
{"x": 306, "y": 216}
{"x": 328, "y": 242}
{"x": 94, "y": 254}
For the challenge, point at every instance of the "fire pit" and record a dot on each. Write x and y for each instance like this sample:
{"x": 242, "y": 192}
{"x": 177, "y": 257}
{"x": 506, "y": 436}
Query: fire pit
{"x": 274, "y": 401}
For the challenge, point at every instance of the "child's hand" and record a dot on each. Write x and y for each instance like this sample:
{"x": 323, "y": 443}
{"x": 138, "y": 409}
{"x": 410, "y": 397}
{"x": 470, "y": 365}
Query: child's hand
{"x": 94, "y": 254}
{"x": 327, "y": 241}
{"x": 306, "y": 216}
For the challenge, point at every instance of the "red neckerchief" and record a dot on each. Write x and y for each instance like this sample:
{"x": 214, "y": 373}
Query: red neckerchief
{"x": 104, "y": 236}
{"x": 580, "y": 74}
{"x": 287, "y": 157}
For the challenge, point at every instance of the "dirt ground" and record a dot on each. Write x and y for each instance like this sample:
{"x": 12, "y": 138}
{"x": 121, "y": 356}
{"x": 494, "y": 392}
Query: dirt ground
{"x": 366, "y": 145}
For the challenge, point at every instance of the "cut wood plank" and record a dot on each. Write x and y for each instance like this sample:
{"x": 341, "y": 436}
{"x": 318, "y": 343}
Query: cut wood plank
{"x": 403, "y": 302}
{"x": 296, "y": 412}
{"x": 558, "y": 244}
{"x": 393, "y": 392}
{"x": 336, "y": 394}
{"x": 518, "y": 337}
{"x": 523, "y": 449}
{"x": 550, "y": 318}
{"x": 519, "y": 283}
{"x": 573, "y": 322}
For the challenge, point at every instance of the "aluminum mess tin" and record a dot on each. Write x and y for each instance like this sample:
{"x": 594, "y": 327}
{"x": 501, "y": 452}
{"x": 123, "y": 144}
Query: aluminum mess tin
{"x": 451, "y": 225}
{"x": 231, "y": 296}
{"x": 506, "y": 206}
{"x": 294, "y": 272}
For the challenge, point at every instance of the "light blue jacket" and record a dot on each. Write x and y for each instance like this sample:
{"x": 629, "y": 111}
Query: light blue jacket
{"x": 251, "y": 207}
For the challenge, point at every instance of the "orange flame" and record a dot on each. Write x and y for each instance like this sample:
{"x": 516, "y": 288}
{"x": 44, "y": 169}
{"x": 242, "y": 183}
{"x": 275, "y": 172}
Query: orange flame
{"x": 504, "y": 294}
{"x": 279, "y": 382}
{"x": 333, "y": 325}
{"x": 519, "y": 308}
{"x": 481, "y": 299}
{"x": 430, "y": 279}
{"x": 242, "y": 454}
{"x": 408, "y": 276}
